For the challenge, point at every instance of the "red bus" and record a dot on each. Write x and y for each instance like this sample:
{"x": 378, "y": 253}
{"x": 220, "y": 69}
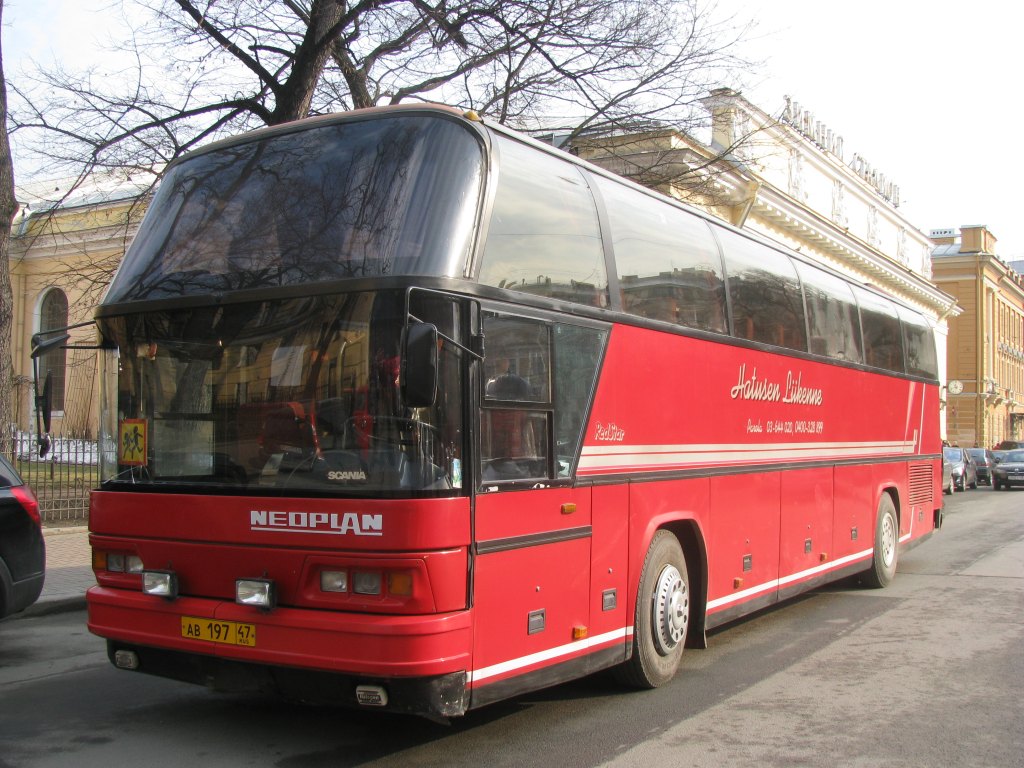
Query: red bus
{"x": 403, "y": 410}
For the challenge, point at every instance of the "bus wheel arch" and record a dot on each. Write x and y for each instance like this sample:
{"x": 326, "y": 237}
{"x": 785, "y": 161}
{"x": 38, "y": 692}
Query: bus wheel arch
{"x": 886, "y": 542}
{"x": 669, "y": 607}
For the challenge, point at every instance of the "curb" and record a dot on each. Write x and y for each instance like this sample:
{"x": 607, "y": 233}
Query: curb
{"x": 51, "y": 607}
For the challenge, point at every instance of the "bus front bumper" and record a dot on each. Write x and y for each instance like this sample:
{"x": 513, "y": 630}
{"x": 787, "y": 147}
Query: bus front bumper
{"x": 413, "y": 664}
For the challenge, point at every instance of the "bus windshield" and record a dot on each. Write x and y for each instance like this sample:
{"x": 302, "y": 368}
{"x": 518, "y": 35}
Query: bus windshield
{"x": 362, "y": 198}
{"x": 281, "y": 395}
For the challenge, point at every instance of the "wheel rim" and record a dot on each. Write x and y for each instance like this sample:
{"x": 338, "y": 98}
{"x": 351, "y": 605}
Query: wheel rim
{"x": 671, "y": 610}
{"x": 888, "y": 541}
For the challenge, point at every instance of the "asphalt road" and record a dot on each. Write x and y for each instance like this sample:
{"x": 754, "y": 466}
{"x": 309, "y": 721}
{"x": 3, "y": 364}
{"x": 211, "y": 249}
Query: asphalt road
{"x": 925, "y": 673}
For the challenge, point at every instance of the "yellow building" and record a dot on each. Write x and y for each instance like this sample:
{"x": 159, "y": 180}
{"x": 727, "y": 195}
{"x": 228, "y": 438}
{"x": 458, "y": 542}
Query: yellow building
{"x": 66, "y": 243}
{"x": 985, "y": 399}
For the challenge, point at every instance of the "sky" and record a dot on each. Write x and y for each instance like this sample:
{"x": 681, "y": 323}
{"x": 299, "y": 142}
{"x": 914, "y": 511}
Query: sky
{"x": 927, "y": 92}
{"x": 924, "y": 91}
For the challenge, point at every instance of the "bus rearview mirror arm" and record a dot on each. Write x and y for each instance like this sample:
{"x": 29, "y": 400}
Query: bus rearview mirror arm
{"x": 43, "y": 342}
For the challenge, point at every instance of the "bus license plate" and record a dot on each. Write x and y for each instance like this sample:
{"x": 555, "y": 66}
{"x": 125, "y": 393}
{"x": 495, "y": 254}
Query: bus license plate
{"x": 227, "y": 632}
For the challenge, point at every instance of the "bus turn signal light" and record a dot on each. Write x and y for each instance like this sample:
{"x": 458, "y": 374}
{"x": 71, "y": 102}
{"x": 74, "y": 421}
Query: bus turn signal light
{"x": 400, "y": 583}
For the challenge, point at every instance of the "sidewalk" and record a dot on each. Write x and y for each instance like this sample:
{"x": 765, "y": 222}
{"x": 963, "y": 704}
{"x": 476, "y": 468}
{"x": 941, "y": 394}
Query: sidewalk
{"x": 68, "y": 571}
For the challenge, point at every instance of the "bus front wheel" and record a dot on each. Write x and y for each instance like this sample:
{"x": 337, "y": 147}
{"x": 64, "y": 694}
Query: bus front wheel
{"x": 887, "y": 535}
{"x": 662, "y": 616}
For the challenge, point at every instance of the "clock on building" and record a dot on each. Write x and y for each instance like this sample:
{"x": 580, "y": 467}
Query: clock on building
{"x": 955, "y": 387}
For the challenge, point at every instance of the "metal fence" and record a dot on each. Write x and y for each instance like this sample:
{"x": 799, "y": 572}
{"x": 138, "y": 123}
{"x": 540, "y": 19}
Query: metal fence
{"x": 62, "y": 480}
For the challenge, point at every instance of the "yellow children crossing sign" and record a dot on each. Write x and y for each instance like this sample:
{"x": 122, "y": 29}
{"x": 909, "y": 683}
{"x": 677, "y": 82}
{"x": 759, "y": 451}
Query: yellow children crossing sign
{"x": 132, "y": 442}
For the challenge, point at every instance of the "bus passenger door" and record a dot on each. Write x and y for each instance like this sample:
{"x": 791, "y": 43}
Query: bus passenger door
{"x": 531, "y": 580}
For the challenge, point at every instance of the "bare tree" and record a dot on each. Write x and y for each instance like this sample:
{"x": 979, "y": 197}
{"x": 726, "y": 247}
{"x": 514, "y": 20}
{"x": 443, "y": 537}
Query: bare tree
{"x": 590, "y": 70}
{"x": 204, "y": 68}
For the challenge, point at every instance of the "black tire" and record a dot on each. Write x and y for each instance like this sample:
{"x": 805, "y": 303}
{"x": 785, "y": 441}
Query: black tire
{"x": 887, "y": 541}
{"x": 662, "y": 616}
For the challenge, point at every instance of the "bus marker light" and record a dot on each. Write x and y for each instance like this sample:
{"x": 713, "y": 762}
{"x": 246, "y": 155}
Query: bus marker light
{"x": 579, "y": 633}
{"x": 824, "y": 556}
{"x": 160, "y": 584}
{"x": 400, "y": 583}
{"x": 117, "y": 562}
{"x": 737, "y": 583}
{"x": 259, "y": 593}
{"x": 334, "y": 581}
{"x": 366, "y": 582}
{"x": 371, "y": 695}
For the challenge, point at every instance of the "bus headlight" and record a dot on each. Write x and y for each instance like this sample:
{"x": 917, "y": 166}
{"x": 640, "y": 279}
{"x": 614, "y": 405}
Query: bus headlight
{"x": 160, "y": 584}
{"x": 259, "y": 593}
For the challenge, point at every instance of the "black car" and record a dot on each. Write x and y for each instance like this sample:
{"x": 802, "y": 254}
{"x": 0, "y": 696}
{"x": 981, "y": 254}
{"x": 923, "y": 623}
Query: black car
{"x": 984, "y": 459}
{"x": 22, "y": 551}
{"x": 1010, "y": 471}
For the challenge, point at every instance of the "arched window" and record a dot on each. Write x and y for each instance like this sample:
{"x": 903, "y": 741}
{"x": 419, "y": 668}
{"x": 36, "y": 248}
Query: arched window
{"x": 53, "y": 313}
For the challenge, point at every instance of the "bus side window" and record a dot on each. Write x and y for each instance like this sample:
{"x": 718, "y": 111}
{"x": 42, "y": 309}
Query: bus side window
{"x": 539, "y": 379}
{"x": 919, "y": 345}
{"x": 764, "y": 290}
{"x": 668, "y": 261}
{"x": 831, "y": 315}
{"x": 515, "y": 422}
{"x": 883, "y": 336}
{"x": 544, "y": 236}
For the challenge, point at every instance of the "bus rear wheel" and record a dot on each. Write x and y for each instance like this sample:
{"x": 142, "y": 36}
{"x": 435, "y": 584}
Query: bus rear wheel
{"x": 887, "y": 535}
{"x": 662, "y": 616}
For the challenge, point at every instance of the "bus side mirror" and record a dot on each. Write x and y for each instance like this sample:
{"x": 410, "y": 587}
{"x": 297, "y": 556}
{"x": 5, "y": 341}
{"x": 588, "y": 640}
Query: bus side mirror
{"x": 418, "y": 377}
{"x": 44, "y": 401}
{"x": 44, "y": 406}
{"x": 44, "y": 396}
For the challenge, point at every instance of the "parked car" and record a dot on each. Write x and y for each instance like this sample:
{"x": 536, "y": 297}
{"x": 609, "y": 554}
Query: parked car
{"x": 1010, "y": 445}
{"x": 22, "y": 550}
{"x": 947, "y": 476}
{"x": 984, "y": 460}
{"x": 1010, "y": 471}
{"x": 965, "y": 472}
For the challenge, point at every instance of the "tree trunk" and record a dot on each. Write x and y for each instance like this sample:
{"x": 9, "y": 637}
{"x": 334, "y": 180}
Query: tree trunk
{"x": 296, "y": 94}
{"x": 7, "y": 210}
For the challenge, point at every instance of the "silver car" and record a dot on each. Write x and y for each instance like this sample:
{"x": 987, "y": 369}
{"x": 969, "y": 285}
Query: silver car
{"x": 964, "y": 470}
